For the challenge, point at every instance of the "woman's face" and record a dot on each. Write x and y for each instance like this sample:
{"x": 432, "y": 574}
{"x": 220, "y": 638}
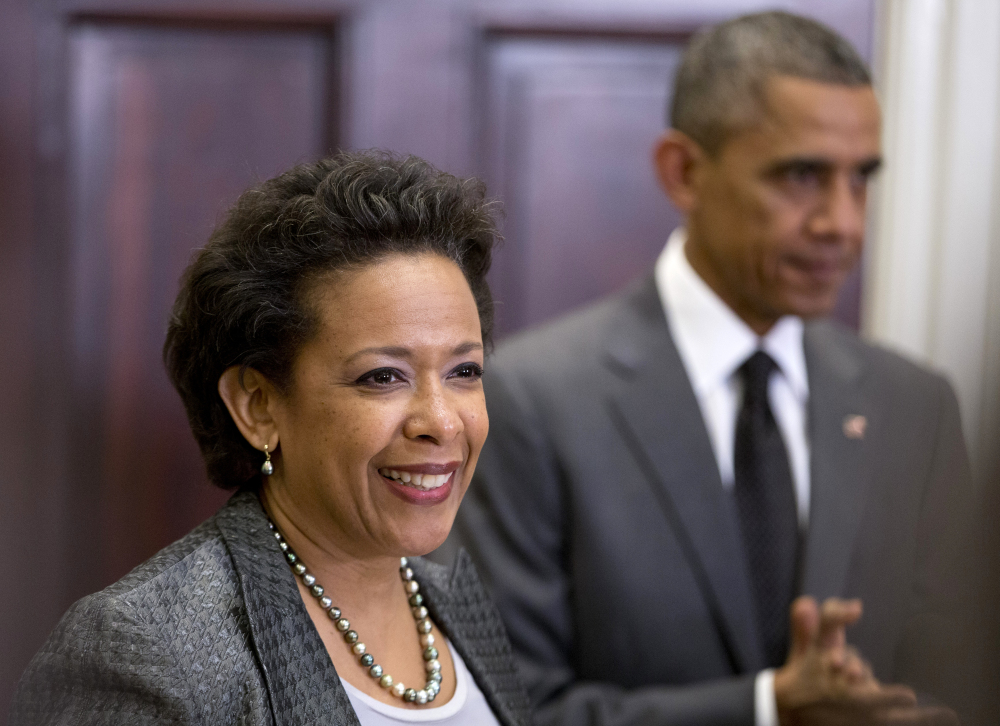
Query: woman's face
{"x": 384, "y": 419}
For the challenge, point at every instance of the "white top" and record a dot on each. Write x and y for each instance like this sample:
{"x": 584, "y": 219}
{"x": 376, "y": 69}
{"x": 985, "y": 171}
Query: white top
{"x": 468, "y": 707}
{"x": 713, "y": 341}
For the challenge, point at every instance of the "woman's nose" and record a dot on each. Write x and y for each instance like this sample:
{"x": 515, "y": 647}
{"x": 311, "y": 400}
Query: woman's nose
{"x": 433, "y": 415}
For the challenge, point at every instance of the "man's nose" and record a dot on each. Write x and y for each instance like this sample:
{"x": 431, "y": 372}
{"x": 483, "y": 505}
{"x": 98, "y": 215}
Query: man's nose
{"x": 433, "y": 415}
{"x": 841, "y": 211}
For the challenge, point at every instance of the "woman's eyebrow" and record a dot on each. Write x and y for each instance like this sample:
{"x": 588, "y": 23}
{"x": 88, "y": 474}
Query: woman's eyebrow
{"x": 468, "y": 347}
{"x": 399, "y": 351}
{"x": 393, "y": 351}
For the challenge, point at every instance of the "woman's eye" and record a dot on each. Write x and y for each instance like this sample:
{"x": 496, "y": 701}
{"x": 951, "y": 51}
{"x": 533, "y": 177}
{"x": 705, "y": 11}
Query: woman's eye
{"x": 468, "y": 370}
{"x": 380, "y": 377}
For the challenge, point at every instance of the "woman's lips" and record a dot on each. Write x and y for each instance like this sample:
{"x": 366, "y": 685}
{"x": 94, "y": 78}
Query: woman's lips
{"x": 422, "y": 484}
{"x": 416, "y": 479}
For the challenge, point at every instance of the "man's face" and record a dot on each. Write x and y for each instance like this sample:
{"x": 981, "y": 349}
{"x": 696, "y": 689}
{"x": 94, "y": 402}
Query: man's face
{"x": 777, "y": 216}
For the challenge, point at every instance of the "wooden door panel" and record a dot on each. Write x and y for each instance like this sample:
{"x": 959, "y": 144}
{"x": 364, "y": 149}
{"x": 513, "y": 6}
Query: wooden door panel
{"x": 168, "y": 125}
{"x": 568, "y": 139}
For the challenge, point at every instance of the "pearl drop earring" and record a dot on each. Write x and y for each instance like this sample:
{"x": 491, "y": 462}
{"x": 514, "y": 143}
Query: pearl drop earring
{"x": 267, "y": 468}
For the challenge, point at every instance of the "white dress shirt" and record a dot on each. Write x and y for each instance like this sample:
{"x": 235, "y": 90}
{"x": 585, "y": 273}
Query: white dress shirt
{"x": 713, "y": 342}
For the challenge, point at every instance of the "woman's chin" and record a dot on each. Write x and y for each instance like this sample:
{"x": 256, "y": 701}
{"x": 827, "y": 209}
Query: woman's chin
{"x": 426, "y": 538}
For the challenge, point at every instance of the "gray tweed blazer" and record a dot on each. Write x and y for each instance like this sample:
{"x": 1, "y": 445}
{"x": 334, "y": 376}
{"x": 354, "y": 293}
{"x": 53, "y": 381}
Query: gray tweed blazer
{"x": 212, "y": 630}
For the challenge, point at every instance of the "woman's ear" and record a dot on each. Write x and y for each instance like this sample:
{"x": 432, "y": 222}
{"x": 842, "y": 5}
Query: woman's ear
{"x": 250, "y": 402}
{"x": 676, "y": 157}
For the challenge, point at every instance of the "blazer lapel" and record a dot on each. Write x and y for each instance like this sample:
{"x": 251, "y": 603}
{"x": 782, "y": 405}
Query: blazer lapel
{"x": 657, "y": 412}
{"x": 461, "y": 608}
{"x": 301, "y": 680}
{"x": 838, "y": 418}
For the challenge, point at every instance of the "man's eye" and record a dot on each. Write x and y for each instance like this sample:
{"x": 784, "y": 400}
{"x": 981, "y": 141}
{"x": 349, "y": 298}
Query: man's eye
{"x": 859, "y": 180}
{"x": 468, "y": 370}
{"x": 803, "y": 176}
{"x": 380, "y": 377}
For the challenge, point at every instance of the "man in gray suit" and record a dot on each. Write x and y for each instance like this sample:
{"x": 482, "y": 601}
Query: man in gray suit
{"x": 668, "y": 469}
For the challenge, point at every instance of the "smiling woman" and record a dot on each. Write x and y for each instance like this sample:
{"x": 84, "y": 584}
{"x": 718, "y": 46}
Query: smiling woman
{"x": 384, "y": 409}
{"x": 328, "y": 344}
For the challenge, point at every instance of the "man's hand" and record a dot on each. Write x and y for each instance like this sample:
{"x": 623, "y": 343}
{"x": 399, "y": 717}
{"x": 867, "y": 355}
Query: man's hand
{"x": 825, "y": 681}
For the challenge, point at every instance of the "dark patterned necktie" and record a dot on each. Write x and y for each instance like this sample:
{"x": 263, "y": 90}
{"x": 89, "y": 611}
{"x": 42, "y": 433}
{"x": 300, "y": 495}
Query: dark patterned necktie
{"x": 765, "y": 499}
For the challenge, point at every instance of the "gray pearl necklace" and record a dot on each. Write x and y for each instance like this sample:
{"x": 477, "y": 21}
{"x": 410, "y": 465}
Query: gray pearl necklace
{"x": 431, "y": 663}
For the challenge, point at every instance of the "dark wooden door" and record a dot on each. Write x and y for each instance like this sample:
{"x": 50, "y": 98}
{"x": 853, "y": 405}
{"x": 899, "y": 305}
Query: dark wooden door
{"x": 127, "y": 127}
{"x": 167, "y": 123}
{"x": 145, "y": 128}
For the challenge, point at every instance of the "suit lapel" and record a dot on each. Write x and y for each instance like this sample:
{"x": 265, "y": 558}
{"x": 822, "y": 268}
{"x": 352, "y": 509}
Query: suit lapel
{"x": 301, "y": 680}
{"x": 657, "y": 412}
{"x": 461, "y": 608}
{"x": 838, "y": 487}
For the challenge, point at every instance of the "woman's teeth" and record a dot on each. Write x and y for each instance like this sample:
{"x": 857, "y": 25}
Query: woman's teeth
{"x": 426, "y": 482}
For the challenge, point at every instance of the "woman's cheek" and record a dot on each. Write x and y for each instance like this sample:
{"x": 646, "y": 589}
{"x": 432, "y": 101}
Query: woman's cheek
{"x": 376, "y": 421}
{"x": 478, "y": 424}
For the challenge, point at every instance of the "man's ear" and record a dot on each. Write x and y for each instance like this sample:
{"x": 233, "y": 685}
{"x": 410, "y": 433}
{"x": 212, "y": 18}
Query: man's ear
{"x": 250, "y": 403}
{"x": 677, "y": 158}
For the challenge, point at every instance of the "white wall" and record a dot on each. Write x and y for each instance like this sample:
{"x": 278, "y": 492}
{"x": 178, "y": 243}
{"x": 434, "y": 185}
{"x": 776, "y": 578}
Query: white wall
{"x": 933, "y": 277}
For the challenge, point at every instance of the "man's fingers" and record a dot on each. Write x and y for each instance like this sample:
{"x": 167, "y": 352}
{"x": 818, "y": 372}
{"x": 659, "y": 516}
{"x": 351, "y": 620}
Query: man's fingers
{"x": 890, "y": 697}
{"x": 858, "y": 714}
{"x": 919, "y": 716}
{"x": 853, "y": 667}
{"x": 835, "y": 616}
{"x": 866, "y": 671}
{"x": 804, "y": 625}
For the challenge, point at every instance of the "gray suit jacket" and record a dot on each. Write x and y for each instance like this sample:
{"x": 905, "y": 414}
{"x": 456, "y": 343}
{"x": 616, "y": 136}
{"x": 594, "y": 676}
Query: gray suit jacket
{"x": 599, "y": 521}
{"x": 212, "y": 630}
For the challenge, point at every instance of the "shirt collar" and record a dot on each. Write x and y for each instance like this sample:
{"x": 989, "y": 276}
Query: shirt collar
{"x": 712, "y": 340}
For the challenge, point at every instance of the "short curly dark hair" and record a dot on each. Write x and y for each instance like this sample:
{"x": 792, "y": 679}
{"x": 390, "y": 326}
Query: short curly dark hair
{"x": 241, "y": 299}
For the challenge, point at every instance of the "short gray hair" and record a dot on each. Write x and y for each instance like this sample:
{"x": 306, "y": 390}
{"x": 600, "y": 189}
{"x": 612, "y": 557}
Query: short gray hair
{"x": 720, "y": 84}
